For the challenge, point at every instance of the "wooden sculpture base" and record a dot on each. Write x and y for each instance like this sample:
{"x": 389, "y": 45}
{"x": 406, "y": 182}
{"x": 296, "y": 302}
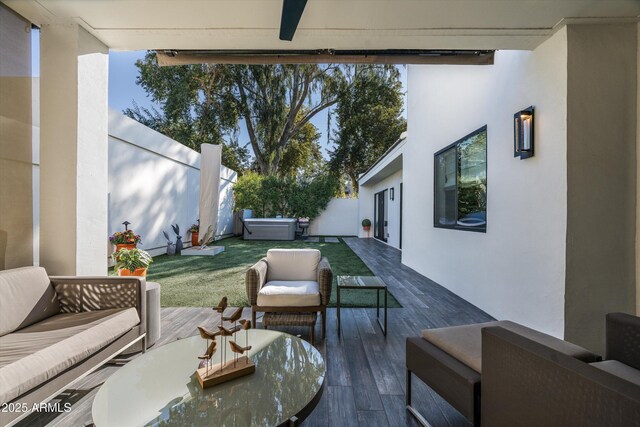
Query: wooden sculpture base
{"x": 244, "y": 366}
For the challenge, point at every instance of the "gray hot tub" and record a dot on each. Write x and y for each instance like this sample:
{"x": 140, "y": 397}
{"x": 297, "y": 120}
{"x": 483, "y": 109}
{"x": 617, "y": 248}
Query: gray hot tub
{"x": 270, "y": 229}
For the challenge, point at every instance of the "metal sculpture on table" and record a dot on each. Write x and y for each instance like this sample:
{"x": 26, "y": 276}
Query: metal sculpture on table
{"x": 237, "y": 349}
{"x": 222, "y": 306}
{"x": 225, "y": 370}
{"x": 246, "y": 325}
{"x": 235, "y": 316}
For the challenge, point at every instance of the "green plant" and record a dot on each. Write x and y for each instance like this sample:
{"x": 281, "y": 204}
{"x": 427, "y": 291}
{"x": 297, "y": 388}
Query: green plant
{"x": 366, "y": 222}
{"x": 269, "y": 196}
{"x": 194, "y": 228}
{"x": 131, "y": 259}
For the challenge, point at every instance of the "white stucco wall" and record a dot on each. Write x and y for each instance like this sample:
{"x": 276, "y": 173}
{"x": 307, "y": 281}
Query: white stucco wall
{"x": 516, "y": 269}
{"x": 340, "y": 218}
{"x": 367, "y": 201}
{"x": 73, "y": 150}
{"x": 154, "y": 182}
{"x": 638, "y": 178}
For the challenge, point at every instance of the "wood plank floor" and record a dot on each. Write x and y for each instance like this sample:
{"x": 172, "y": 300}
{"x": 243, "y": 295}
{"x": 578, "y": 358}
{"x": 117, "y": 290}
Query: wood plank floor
{"x": 365, "y": 382}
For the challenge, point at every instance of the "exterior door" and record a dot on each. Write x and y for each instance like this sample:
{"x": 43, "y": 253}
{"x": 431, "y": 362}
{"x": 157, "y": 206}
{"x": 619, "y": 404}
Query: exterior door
{"x": 380, "y": 216}
{"x": 401, "y": 213}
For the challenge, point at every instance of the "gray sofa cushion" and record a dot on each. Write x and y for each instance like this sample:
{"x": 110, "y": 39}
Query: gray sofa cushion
{"x": 26, "y": 297}
{"x": 465, "y": 342}
{"x": 35, "y": 354}
{"x": 619, "y": 370}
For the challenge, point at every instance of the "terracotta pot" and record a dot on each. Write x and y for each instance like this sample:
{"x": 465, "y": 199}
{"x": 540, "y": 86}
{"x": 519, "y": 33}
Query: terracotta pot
{"x": 125, "y": 246}
{"x": 194, "y": 238}
{"x": 136, "y": 272}
{"x": 366, "y": 227}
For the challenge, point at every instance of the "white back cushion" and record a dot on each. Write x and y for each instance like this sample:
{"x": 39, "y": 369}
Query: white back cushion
{"x": 26, "y": 297}
{"x": 292, "y": 264}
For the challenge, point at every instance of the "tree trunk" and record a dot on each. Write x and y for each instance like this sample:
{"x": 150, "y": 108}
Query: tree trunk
{"x": 354, "y": 183}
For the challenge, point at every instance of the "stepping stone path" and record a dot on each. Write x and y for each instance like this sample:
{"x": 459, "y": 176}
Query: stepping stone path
{"x": 331, "y": 240}
{"x": 312, "y": 240}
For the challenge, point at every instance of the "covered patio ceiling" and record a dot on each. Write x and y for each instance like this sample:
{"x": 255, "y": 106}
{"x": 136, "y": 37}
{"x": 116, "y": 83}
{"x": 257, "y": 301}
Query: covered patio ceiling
{"x": 325, "y": 24}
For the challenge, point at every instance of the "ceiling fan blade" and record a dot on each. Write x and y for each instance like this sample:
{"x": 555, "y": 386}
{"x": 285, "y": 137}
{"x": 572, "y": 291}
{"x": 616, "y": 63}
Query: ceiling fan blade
{"x": 291, "y": 13}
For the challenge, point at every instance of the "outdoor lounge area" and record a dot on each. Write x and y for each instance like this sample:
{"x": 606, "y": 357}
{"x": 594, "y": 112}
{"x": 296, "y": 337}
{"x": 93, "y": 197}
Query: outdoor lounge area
{"x": 320, "y": 213}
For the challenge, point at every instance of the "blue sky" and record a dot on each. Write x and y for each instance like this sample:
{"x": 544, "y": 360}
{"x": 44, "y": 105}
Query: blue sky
{"x": 123, "y": 90}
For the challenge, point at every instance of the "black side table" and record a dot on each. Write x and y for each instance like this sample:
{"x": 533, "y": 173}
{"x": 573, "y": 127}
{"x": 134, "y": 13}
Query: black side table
{"x": 364, "y": 282}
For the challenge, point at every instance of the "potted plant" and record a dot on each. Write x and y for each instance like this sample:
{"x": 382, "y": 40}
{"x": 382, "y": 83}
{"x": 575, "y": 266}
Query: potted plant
{"x": 125, "y": 240}
{"x": 366, "y": 224}
{"x": 131, "y": 262}
{"x": 194, "y": 234}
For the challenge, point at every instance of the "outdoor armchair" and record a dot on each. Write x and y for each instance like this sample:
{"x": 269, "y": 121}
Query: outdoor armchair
{"x": 451, "y": 361}
{"x": 290, "y": 280}
{"x": 527, "y": 383}
{"x": 623, "y": 339}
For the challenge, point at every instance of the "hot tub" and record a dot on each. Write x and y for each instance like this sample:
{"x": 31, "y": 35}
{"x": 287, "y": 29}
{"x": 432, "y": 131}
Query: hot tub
{"x": 270, "y": 229}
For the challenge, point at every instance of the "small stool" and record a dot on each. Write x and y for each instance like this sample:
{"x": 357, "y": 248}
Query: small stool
{"x": 291, "y": 319}
{"x": 153, "y": 318}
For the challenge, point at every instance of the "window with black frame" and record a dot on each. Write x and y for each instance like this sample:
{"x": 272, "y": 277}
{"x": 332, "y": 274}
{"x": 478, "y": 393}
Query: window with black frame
{"x": 460, "y": 183}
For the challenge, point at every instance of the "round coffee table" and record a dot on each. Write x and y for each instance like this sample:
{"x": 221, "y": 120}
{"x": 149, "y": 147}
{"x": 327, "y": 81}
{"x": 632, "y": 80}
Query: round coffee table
{"x": 161, "y": 386}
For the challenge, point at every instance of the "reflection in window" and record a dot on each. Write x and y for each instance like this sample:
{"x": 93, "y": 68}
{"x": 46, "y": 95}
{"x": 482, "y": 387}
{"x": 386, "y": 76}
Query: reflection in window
{"x": 461, "y": 183}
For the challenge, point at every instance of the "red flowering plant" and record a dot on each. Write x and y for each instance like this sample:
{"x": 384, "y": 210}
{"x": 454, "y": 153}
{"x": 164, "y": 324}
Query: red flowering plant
{"x": 125, "y": 238}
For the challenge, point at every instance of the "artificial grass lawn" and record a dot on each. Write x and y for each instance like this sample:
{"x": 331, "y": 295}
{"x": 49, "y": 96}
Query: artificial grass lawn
{"x": 201, "y": 281}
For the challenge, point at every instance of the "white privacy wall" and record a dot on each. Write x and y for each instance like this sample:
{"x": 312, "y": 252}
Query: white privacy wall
{"x": 516, "y": 270}
{"x": 154, "y": 182}
{"x": 340, "y": 218}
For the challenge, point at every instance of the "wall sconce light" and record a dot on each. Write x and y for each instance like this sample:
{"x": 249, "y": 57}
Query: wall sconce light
{"x": 392, "y": 194}
{"x": 523, "y": 142}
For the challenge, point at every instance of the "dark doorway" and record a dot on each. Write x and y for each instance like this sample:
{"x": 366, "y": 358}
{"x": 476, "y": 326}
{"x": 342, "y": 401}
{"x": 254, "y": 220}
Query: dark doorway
{"x": 380, "y": 216}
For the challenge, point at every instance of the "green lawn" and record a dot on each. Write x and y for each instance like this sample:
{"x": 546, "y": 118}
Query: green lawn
{"x": 200, "y": 281}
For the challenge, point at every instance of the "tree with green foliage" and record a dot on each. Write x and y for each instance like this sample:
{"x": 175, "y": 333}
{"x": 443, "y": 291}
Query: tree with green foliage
{"x": 302, "y": 157}
{"x": 196, "y": 107}
{"x": 369, "y": 119}
{"x": 203, "y": 104}
{"x": 277, "y": 102}
{"x": 269, "y": 195}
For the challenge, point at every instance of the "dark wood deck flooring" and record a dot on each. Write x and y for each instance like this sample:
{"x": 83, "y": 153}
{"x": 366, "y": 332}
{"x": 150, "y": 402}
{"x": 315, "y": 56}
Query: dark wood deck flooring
{"x": 365, "y": 383}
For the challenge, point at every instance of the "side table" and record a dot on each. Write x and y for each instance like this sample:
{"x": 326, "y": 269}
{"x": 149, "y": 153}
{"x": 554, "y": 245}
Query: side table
{"x": 364, "y": 282}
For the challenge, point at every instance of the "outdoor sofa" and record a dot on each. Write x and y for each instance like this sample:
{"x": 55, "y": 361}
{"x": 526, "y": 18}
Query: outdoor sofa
{"x": 526, "y": 383}
{"x": 56, "y": 330}
{"x": 452, "y": 362}
{"x": 290, "y": 281}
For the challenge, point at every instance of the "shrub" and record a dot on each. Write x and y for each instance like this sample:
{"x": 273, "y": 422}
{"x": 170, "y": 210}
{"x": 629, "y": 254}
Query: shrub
{"x": 269, "y": 196}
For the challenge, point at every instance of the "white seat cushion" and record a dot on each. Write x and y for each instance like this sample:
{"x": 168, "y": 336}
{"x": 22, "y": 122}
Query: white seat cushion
{"x": 293, "y": 264}
{"x": 37, "y": 353}
{"x": 289, "y": 293}
{"x": 465, "y": 342}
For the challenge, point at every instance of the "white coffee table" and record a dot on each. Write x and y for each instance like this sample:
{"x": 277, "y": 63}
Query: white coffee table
{"x": 160, "y": 386}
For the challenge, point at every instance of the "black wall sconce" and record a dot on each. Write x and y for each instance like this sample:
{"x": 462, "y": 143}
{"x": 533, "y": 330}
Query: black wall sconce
{"x": 392, "y": 194}
{"x": 523, "y": 142}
